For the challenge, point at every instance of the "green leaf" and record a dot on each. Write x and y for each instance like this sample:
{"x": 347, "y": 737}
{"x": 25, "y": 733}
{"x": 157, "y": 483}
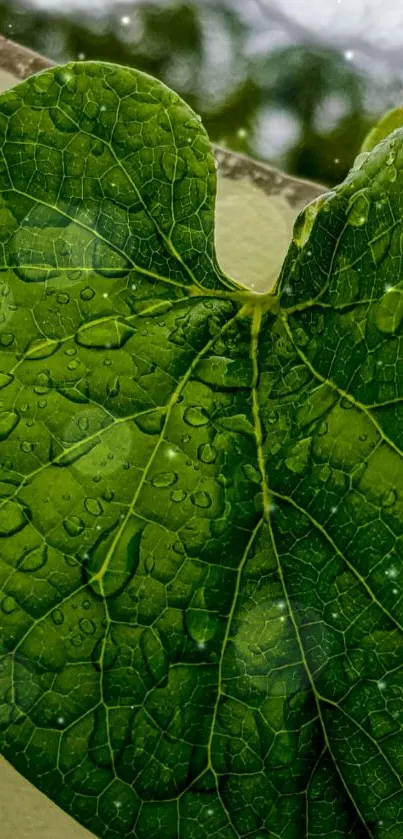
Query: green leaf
{"x": 388, "y": 123}
{"x": 201, "y": 513}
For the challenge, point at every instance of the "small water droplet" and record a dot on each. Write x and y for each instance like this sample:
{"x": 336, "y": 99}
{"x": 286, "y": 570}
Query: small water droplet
{"x": 57, "y": 617}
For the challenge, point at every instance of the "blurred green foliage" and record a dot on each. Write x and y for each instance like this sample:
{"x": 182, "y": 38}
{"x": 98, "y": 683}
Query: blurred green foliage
{"x": 205, "y": 51}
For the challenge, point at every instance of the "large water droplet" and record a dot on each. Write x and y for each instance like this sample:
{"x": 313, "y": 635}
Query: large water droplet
{"x": 34, "y": 559}
{"x": 13, "y": 518}
{"x": 5, "y": 379}
{"x": 8, "y": 421}
{"x": 358, "y": 209}
{"x": 112, "y": 334}
{"x": 389, "y": 310}
{"x": 380, "y": 246}
{"x": 150, "y": 423}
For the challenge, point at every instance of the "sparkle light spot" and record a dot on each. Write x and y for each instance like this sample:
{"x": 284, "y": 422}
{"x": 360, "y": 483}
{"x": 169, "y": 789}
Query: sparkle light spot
{"x": 349, "y": 55}
{"x": 125, "y": 20}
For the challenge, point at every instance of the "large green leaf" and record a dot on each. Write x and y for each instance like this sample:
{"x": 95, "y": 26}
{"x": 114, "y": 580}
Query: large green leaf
{"x": 201, "y": 520}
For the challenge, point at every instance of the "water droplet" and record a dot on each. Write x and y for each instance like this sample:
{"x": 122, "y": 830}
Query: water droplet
{"x": 83, "y": 422}
{"x": 196, "y": 415}
{"x": 201, "y": 499}
{"x": 164, "y": 479}
{"x": 57, "y": 617}
{"x": 87, "y": 293}
{"x": 178, "y": 548}
{"x": 43, "y": 383}
{"x": 33, "y": 559}
{"x": 9, "y": 605}
{"x": 252, "y": 473}
{"x": 389, "y": 498}
{"x": 73, "y": 525}
{"x": 8, "y": 421}
{"x": 360, "y": 160}
{"x": 323, "y": 429}
{"x": 207, "y": 453}
{"x": 358, "y": 209}
{"x": 13, "y": 518}
{"x": 149, "y": 564}
{"x": 63, "y": 298}
{"x": 108, "y": 495}
{"x": 76, "y": 640}
{"x": 6, "y": 339}
{"x": 93, "y": 506}
{"x": 112, "y": 334}
{"x": 150, "y": 423}
{"x": 178, "y": 495}
{"x": 26, "y": 446}
{"x": 379, "y": 247}
{"x": 87, "y": 626}
{"x": 5, "y": 379}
